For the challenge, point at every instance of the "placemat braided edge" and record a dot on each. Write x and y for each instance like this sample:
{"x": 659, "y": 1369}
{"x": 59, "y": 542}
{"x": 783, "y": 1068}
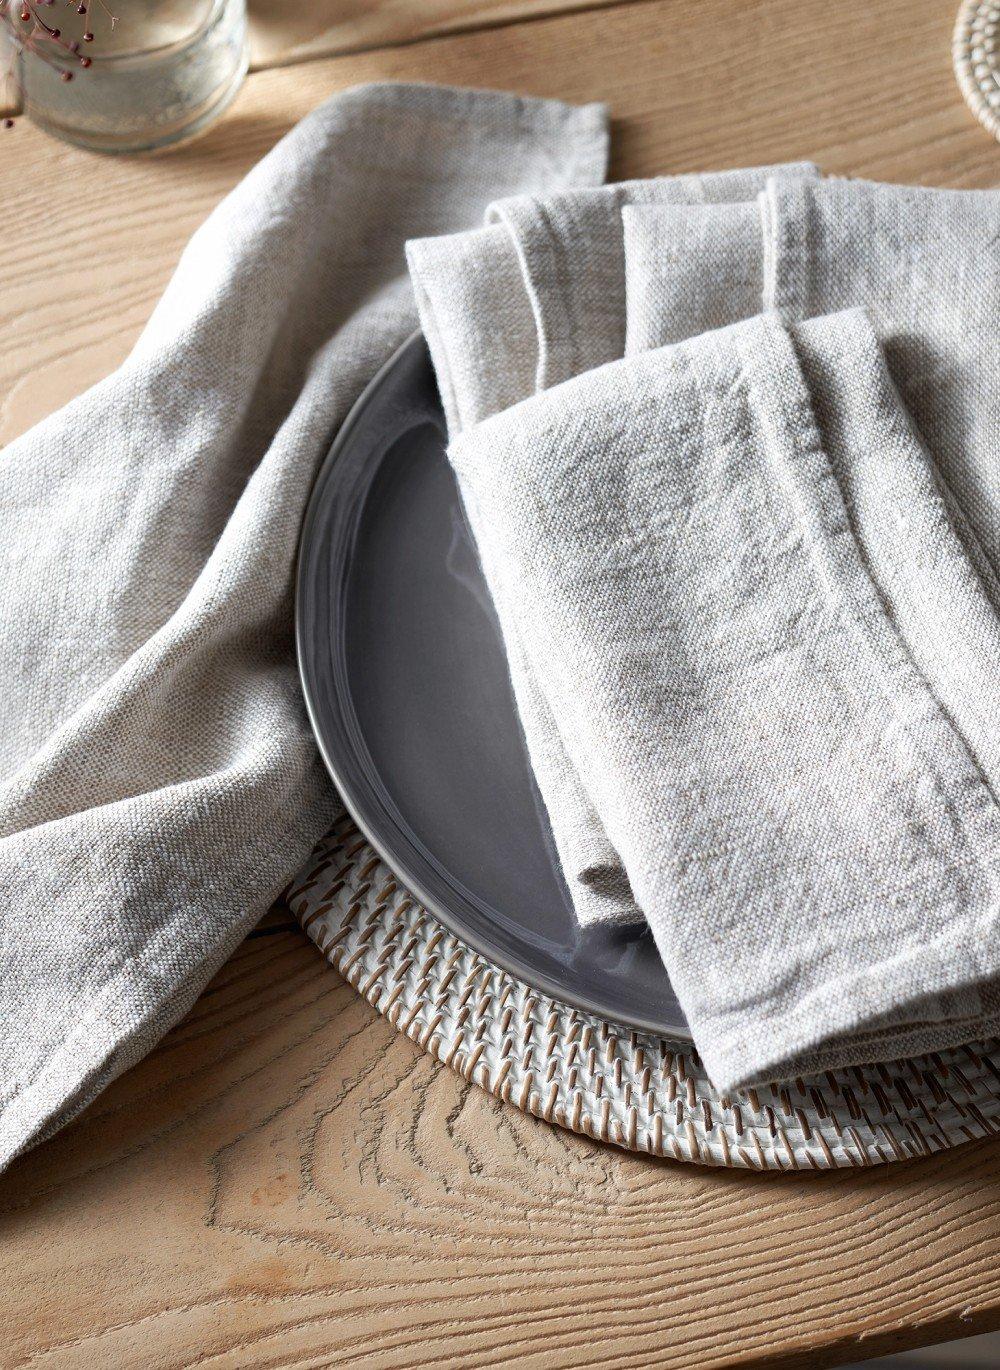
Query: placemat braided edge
{"x": 975, "y": 56}
{"x": 624, "y": 1087}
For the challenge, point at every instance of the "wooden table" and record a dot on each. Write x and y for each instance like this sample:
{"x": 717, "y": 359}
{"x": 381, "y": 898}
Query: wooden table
{"x": 286, "y": 1181}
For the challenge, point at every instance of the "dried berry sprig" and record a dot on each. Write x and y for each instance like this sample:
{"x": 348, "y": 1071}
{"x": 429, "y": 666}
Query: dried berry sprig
{"x": 29, "y": 31}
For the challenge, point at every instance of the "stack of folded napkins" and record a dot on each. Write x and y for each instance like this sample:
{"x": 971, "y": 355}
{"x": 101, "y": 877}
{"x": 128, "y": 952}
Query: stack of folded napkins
{"x": 730, "y": 448}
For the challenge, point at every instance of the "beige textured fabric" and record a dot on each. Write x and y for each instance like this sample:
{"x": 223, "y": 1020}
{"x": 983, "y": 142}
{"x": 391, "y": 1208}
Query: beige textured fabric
{"x": 535, "y": 297}
{"x": 689, "y": 268}
{"x": 572, "y": 256}
{"x": 477, "y": 319}
{"x": 749, "y": 668}
{"x": 923, "y": 263}
{"x": 158, "y": 780}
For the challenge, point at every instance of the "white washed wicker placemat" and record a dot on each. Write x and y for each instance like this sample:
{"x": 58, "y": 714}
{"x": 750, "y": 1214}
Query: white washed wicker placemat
{"x": 976, "y": 55}
{"x": 625, "y": 1087}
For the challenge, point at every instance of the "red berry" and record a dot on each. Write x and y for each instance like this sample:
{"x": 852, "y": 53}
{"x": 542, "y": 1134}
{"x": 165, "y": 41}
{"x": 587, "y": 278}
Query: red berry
{"x": 25, "y": 16}
{"x": 8, "y": 122}
{"x": 54, "y": 33}
{"x": 88, "y": 37}
{"x": 85, "y": 61}
{"x": 66, "y": 75}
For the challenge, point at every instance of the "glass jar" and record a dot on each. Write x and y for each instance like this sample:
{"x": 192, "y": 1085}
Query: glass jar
{"x": 150, "y": 74}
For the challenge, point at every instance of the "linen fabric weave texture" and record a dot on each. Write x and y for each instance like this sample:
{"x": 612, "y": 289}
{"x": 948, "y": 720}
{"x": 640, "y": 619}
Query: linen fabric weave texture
{"x": 745, "y": 680}
{"x": 885, "y": 949}
{"x": 159, "y": 784}
{"x": 534, "y": 298}
{"x": 921, "y": 262}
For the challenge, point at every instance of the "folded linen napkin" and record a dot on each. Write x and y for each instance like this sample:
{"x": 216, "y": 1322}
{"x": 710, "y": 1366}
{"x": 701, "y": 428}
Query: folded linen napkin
{"x": 749, "y": 672}
{"x": 159, "y": 784}
{"x": 920, "y": 261}
{"x": 924, "y": 265}
{"x": 690, "y": 268}
{"x": 572, "y": 257}
{"x": 534, "y": 298}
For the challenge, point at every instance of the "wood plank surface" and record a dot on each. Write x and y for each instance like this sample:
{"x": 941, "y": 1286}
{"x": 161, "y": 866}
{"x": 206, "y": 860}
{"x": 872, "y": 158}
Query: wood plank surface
{"x": 283, "y": 32}
{"x": 289, "y": 1182}
{"x": 286, "y": 1181}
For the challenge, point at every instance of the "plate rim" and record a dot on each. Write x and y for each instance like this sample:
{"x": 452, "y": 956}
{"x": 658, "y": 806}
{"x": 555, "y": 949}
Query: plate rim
{"x": 536, "y": 980}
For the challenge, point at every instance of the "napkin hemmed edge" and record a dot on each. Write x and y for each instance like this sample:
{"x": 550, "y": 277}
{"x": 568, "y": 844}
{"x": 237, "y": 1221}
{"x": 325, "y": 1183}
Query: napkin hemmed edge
{"x": 789, "y": 1044}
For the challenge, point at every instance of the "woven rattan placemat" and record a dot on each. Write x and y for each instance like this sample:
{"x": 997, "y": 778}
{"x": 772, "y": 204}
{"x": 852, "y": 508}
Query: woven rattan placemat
{"x": 976, "y": 55}
{"x": 629, "y": 1088}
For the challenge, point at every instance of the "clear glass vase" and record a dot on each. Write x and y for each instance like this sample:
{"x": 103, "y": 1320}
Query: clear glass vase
{"x": 144, "y": 75}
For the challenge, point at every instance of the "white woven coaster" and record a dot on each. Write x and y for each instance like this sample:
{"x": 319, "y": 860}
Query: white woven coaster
{"x": 976, "y": 56}
{"x": 625, "y": 1087}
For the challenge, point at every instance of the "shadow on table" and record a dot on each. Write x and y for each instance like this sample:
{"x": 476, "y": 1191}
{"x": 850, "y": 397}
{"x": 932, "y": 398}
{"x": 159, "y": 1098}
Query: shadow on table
{"x": 973, "y": 1353}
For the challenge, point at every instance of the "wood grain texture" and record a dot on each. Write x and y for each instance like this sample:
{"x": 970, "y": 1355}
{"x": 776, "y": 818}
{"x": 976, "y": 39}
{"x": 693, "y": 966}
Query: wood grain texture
{"x": 283, "y": 32}
{"x": 287, "y": 1182}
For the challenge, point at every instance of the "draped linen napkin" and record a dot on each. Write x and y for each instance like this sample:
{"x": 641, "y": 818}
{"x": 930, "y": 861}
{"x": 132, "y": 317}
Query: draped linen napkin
{"x": 753, "y": 640}
{"x": 159, "y": 784}
{"x": 922, "y": 262}
{"x": 534, "y": 298}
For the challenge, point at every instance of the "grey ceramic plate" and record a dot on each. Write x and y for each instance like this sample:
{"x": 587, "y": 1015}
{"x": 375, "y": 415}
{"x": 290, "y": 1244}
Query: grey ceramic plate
{"x": 406, "y": 684}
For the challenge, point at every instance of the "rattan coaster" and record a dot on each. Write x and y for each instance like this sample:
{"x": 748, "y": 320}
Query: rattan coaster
{"x": 629, "y": 1088}
{"x": 976, "y": 56}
